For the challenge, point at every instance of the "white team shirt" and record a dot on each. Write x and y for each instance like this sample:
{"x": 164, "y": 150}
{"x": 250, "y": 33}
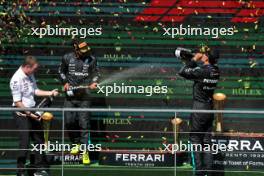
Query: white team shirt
{"x": 23, "y": 88}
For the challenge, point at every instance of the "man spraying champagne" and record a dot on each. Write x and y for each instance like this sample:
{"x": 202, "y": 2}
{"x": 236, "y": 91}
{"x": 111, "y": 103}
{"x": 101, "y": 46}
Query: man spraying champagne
{"x": 78, "y": 69}
{"x": 205, "y": 77}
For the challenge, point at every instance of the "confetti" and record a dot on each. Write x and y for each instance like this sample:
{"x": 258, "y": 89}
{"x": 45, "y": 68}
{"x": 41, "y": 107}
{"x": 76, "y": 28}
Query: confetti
{"x": 117, "y": 114}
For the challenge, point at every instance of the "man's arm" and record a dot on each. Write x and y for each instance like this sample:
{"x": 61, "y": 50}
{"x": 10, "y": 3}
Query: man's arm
{"x": 44, "y": 93}
{"x": 95, "y": 73}
{"x": 191, "y": 70}
{"x": 63, "y": 69}
{"x": 19, "y": 104}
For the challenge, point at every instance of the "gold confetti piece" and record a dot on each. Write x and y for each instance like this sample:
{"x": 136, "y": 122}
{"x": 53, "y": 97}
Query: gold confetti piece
{"x": 235, "y": 30}
{"x": 141, "y": 137}
{"x": 246, "y": 29}
{"x": 240, "y": 80}
{"x": 158, "y": 82}
{"x": 209, "y": 16}
{"x": 164, "y": 138}
{"x": 118, "y": 48}
{"x": 253, "y": 64}
{"x": 129, "y": 137}
{"x": 155, "y": 29}
{"x": 117, "y": 114}
{"x": 43, "y": 23}
{"x": 247, "y": 85}
{"x": 165, "y": 129}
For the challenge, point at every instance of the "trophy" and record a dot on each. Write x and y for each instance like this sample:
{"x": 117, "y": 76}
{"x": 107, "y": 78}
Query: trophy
{"x": 176, "y": 122}
{"x": 219, "y": 100}
{"x": 46, "y": 117}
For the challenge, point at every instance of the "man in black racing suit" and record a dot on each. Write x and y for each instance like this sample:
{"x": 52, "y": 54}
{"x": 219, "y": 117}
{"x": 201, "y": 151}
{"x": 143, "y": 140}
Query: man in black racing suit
{"x": 78, "y": 68}
{"x": 205, "y": 79}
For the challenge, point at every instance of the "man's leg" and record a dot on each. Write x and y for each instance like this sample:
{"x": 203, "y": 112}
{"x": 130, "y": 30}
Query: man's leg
{"x": 84, "y": 122}
{"x": 71, "y": 123}
{"x": 208, "y": 157}
{"x": 22, "y": 124}
{"x": 196, "y": 138}
{"x": 37, "y": 135}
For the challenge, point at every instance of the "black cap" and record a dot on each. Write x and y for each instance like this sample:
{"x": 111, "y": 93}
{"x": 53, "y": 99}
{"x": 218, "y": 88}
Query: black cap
{"x": 82, "y": 46}
{"x": 213, "y": 55}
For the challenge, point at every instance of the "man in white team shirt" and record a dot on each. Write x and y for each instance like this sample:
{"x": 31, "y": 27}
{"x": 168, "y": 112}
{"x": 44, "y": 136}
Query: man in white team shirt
{"x": 23, "y": 87}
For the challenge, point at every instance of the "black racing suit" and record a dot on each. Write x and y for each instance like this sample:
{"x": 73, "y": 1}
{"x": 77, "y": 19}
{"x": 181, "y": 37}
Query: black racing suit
{"x": 78, "y": 71}
{"x": 205, "y": 80}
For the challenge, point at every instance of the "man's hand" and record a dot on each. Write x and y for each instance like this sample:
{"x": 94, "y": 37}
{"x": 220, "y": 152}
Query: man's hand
{"x": 35, "y": 117}
{"x": 93, "y": 86}
{"x": 54, "y": 92}
{"x": 66, "y": 87}
{"x": 197, "y": 57}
